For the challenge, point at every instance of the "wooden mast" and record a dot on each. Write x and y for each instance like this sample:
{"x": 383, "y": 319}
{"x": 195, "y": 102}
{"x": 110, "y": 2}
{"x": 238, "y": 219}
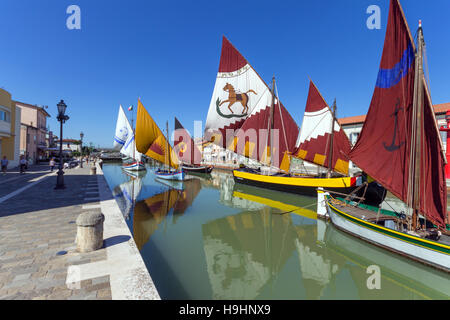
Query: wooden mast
{"x": 134, "y": 134}
{"x": 167, "y": 155}
{"x": 271, "y": 120}
{"x": 417, "y": 129}
{"x": 330, "y": 153}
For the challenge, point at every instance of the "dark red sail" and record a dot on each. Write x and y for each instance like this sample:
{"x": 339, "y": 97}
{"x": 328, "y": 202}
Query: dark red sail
{"x": 384, "y": 145}
{"x": 184, "y": 145}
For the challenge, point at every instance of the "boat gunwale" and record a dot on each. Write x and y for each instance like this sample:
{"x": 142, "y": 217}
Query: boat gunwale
{"x": 427, "y": 244}
{"x": 341, "y": 182}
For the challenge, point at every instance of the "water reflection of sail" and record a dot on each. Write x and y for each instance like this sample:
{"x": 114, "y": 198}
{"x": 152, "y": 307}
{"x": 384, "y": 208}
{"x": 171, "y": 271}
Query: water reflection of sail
{"x": 245, "y": 252}
{"x": 400, "y": 277}
{"x": 316, "y": 267}
{"x": 127, "y": 193}
{"x": 191, "y": 189}
{"x": 149, "y": 213}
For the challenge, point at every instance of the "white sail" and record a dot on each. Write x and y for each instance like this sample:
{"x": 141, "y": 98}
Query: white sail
{"x": 122, "y": 130}
{"x": 124, "y": 137}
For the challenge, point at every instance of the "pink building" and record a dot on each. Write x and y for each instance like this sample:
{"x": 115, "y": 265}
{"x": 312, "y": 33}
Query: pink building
{"x": 33, "y": 131}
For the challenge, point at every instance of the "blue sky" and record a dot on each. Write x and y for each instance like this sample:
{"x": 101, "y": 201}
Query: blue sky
{"x": 167, "y": 53}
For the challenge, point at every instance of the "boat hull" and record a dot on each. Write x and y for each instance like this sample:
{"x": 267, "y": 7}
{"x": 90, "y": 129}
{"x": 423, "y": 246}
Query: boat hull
{"x": 199, "y": 169}
{"x": 422, "y": 250}
{"x": 134, "y": 166}
{"x": 297, "y": 185}
{"x": 177, "y": 176}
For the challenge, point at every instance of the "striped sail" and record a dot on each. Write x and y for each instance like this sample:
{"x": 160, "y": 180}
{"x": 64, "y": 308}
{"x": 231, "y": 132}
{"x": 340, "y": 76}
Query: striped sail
{"x": 314, "y": 141}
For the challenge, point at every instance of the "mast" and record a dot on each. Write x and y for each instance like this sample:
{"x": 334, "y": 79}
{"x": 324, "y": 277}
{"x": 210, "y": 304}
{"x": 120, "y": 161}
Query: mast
{"x": 417, "y": 128}
{"x": 132, "y": 128}
{"x": 330, "y": 153}
{"x": 271, "y": 119}
{"x": 167, "y": 156}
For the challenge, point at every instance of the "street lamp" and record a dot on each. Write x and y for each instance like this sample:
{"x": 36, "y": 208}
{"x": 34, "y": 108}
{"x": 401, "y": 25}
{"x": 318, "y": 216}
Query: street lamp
{"x": 61, "y": 118}
{"x": 81, "y": 149}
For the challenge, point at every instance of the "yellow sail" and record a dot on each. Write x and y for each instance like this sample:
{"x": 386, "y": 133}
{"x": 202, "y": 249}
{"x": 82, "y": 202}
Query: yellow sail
{"x": 151, "y": 141}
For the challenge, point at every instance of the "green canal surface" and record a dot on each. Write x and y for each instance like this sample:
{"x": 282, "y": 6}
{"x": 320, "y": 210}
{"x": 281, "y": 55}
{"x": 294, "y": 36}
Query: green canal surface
{"x": 209, "y": 238}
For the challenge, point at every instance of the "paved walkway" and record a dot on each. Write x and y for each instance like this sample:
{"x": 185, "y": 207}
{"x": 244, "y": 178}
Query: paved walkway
{"x": 38, "y": 257}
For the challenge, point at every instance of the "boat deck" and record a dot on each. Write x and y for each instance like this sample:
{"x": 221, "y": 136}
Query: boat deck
{"x": 362, "y": 214}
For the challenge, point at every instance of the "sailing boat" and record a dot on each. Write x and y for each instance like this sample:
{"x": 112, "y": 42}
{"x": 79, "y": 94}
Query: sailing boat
{"x": 266, "y": 132}
{"x": 124, "y": 141}
{"x": 151, "y": 141}
{"x": 401, "y": 133}
{"x": 187, "y": 151}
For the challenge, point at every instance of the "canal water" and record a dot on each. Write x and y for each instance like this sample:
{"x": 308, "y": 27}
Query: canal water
{"x": 209, "y": 238}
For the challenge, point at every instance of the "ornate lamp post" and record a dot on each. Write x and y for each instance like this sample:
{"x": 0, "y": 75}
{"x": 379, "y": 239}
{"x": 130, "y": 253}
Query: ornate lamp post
{"x": 81, "y": 149}
{"x": 61, "y": 118}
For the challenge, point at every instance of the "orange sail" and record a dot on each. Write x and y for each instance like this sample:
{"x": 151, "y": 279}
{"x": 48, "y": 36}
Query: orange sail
{"x": 151, "y": 141}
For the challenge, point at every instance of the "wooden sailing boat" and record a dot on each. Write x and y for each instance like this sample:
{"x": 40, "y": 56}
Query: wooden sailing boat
{"x": 266, "y": 132}
{"x": 400, "y": 147}
{"x": 151, "y": 141}
{"x": 124, "y": 140}
{"x": 188, "y": 153}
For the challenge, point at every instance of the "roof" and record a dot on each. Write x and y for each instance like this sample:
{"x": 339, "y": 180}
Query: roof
{"x": 70, "y": 141}
{"x": 27, "y": 105}
{"x": 438, "y": 109}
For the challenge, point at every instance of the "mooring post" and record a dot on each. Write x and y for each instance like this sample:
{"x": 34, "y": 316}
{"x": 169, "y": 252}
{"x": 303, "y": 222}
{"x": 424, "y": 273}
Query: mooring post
{"x": 90, "y": 231}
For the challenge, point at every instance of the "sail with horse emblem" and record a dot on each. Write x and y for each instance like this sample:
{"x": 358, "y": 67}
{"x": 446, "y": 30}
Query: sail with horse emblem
{"x": 246, "y": 116}
{"x": 239, "y": 94}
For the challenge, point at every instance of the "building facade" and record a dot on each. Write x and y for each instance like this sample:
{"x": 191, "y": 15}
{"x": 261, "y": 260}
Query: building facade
{"x": 69, "y": 145}
{"x": 9, "y": 129}
{"x": 33, "y": 132}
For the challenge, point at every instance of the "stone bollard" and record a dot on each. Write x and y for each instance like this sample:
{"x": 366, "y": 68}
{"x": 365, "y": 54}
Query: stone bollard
{"x": 90, "y": 231}
{"x": 93, "y": 171}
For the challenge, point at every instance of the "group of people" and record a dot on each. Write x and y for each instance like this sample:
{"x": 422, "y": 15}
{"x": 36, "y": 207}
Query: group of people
{"x": 23, "y": 164}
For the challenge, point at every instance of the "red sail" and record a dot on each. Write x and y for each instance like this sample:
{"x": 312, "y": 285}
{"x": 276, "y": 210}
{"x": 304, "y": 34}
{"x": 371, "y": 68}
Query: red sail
{"x": 314, "y": 141}
{"x": 384, "y": 145}
{"x": 253, "y": 139}
{"x": 184, "y": 145}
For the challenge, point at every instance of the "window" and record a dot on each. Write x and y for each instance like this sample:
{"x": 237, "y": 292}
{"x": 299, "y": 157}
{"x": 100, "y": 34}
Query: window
{"x": 5, "y": 116}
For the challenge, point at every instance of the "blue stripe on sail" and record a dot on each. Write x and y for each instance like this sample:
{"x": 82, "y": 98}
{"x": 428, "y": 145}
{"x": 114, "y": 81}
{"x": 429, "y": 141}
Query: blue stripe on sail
{"x": 388, "y": 78}
{"x": 119, "y": 141}
{"x": 129, "y": 141}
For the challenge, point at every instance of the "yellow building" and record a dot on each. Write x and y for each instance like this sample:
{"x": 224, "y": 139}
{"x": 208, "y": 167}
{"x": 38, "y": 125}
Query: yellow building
{"x": 9, "y": 129}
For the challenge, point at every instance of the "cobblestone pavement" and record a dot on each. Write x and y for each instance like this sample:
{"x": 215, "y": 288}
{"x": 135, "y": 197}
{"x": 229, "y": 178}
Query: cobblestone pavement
{"x": 37, "y": 232}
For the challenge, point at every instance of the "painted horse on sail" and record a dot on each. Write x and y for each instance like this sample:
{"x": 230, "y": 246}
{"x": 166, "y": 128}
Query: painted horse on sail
{"x": 234, "y": 97}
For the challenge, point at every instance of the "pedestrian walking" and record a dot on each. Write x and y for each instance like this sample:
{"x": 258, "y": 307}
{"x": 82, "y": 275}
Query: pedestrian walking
{"x": 52, "y": 164}
{"x": 4, "y": 164}
{"x": 22, "y": 164}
